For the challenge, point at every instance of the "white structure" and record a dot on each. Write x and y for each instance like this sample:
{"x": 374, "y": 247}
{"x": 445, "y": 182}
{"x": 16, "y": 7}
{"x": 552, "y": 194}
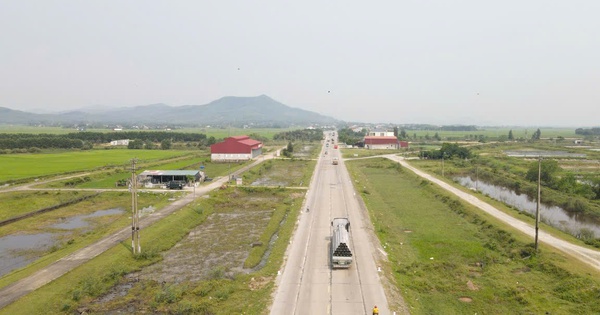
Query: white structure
{"x": 120, "y": 142}
{"x": 379, "y": 133}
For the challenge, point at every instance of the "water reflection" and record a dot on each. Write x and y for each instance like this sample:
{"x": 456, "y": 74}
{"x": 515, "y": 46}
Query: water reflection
{"x": 82, "y": 220}
{"x": 572, "y": 223}
{"x": 19, "y": 250}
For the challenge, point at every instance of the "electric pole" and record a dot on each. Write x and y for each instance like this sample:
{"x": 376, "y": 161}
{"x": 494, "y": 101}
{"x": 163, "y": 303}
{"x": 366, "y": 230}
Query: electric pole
{"x": 135, "y": 214}
{"x": 537, "y": 208}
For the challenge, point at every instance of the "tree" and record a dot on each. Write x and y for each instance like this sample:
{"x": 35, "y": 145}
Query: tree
{"x": 549, "y": 168}
{"x": 536, "y": 135}
{"x": 165, "y": 144}
{"x": 567, "y": 183}
{"x": 149, "y": 145}
{"x": 136, "y": 144}
{"x": 510, "y": 135}
{"x": 403, "y": 134}
{"x": 290, "y": 147}
{"x": 436, "y": 136}
{"x": 211, "y": 140}
{"x": 396, "y": 132}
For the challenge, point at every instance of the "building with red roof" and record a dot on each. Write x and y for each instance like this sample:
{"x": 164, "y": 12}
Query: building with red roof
{"x": 236, "y": 148}
{"x": 384, "y": 142}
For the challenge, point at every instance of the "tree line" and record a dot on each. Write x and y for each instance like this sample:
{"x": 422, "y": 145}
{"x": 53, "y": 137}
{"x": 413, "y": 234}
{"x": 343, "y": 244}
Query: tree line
{"x": 308, "y": 135}
{"x": 588, "y": 131}
{"x": 86, "y": 140}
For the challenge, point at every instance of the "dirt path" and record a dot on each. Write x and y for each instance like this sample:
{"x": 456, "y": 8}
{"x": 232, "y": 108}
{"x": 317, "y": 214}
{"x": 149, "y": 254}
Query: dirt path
{"x": 586, "y": 255}
{"x": 53, "y": 271}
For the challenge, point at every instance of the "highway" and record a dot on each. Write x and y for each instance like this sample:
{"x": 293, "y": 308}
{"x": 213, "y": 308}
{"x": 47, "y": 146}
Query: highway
{"x": 307, "y": 284}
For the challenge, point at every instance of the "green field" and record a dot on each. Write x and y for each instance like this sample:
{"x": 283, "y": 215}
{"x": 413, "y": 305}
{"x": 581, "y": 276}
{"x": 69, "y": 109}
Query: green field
{"x": 218, "y": 133}
{"x": 217, "y": 293}
{"x": 33, "y": 165}
{"x": 449, "y": 258}
{"x": 496, "y": 132}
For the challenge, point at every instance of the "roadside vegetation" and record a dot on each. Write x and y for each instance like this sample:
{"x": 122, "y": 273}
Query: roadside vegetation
{"x": 449, "y": 258}
{"x": 233, "y": 244}
{"x": 569, "y": 181}
{"x": 66, "y": 241}
{"x": 281, "y": 172}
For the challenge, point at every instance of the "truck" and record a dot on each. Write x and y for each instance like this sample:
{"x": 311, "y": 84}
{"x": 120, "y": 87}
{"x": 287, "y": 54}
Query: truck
{"x": 175, "y": 184}
{"x": 341, "y": 255}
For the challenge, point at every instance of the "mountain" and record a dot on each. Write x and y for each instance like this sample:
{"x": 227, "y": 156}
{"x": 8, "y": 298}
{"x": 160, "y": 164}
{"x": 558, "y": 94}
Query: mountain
{"x": 260, "y": 110}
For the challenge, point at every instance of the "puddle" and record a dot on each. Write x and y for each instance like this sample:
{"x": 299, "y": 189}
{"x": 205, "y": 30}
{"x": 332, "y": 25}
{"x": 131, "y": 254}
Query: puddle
{"x": 572, "y": 223}
{"x": 147, "y": 210}
{"x": 19, "y": 250}
{"x": 82, "y": 220}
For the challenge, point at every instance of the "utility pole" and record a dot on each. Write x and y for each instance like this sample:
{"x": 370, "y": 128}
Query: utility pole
{"x": 135, "y": 214}
{"x": 537, "y": 208}
{"x": 443, "y": 154}
{"x": 476, "y": 178}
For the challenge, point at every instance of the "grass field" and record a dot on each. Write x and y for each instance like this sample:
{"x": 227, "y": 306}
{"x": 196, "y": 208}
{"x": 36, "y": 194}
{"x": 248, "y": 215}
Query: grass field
{"x": 449, "y": 258}
{"x": 21, "y": 166}
{"x": 220, "y": 293}
{"x": 496, "y": 132}
{"x": 18, "y": 203}
{"x": 218, "y": 133}
{"x": 228, "y": 132}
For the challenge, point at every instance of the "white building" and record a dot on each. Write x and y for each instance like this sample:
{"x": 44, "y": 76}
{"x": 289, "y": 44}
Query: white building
{"x": 120, "y": 142}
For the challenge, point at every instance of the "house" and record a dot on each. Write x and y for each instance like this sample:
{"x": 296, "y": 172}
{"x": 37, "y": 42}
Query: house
{"x": 384, "y": 142}
{"x": 234, "y": 149}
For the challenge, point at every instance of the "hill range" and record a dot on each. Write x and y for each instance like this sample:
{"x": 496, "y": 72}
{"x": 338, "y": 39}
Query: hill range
{"x": 259, "y": 110}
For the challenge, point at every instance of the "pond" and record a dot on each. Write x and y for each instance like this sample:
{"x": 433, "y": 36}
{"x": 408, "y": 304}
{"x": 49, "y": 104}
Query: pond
{"x": 19, "y": 250}
{"x": 572, "y": 223}
{"x": 80, "y": 221}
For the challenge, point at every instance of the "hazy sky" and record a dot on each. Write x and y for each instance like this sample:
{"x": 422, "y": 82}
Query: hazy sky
{"x": 534, "y": 63}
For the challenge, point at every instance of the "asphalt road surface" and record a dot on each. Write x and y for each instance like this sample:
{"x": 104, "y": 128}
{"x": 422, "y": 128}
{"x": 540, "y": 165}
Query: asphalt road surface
{"x": 307, "y": 284}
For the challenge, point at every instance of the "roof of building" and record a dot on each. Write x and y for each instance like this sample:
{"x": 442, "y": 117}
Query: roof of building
{"x": 170, "y": 173}
{"x": 236, "y": 145}
{"x": 251, "y": 142}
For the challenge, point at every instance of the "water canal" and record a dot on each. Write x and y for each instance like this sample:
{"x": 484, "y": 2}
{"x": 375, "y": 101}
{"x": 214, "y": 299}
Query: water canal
{"x": 572, "y": 223}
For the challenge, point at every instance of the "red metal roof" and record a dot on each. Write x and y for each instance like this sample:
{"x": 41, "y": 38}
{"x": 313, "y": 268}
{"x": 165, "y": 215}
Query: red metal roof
{"x": 236, "y": 144}
{"x": 255, "y": 144}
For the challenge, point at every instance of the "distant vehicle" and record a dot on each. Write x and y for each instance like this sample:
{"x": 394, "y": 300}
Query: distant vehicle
{"x": 341, "y": 256}
{"x": 335, "y": 161}
{"x": 175, "y": 184}
{"x": 335, "y": 146}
